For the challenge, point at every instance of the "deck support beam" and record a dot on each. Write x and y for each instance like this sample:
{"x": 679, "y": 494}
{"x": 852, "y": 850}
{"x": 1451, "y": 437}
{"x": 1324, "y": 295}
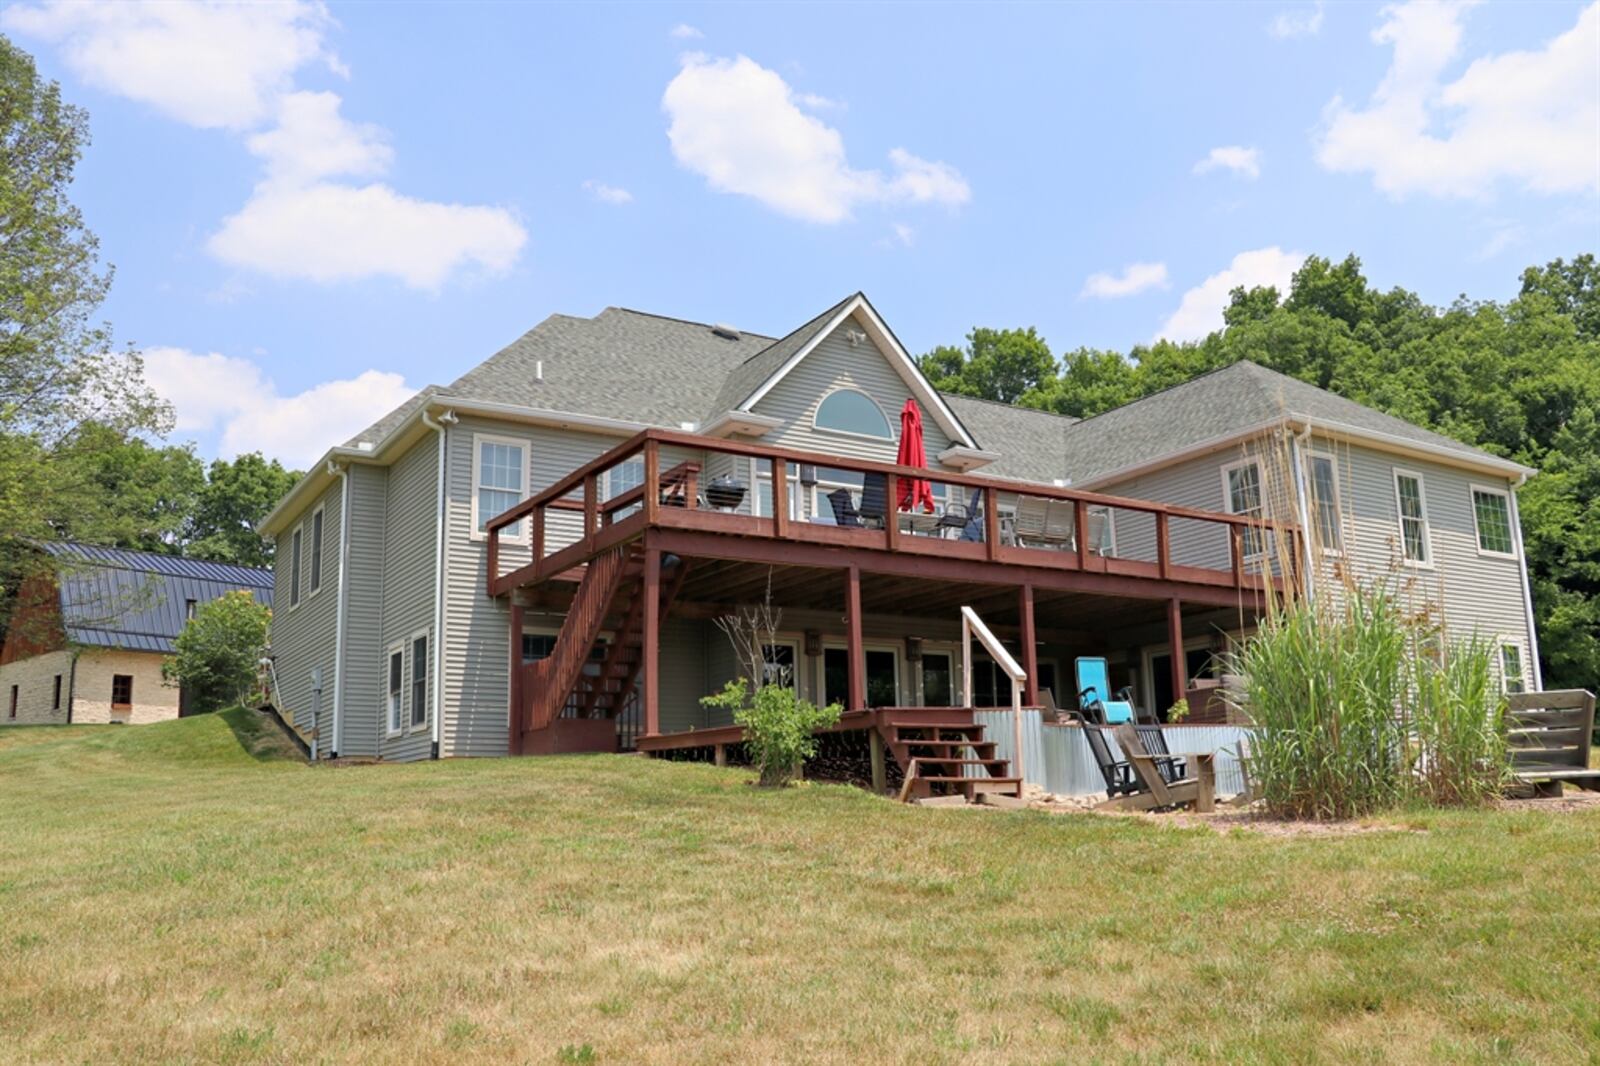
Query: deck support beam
{"x": 1030, "y": 646}
{"x": 880, "y": 771}
{"x": 858, "y": 658}
{"x": 1180, "y": 666}
{"x": 516, "y": 714}
{"x": 652, "y": 641}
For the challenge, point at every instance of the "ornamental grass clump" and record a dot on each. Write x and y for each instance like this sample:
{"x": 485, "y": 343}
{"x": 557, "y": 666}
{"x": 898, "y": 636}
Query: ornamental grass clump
{"x": 1458, "y": 721}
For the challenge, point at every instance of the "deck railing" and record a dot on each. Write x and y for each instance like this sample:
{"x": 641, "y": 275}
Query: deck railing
{"x": 676, "y": 497}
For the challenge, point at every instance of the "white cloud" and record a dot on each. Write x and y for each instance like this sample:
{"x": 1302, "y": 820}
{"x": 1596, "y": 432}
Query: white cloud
{"x": 1135, "y": 278}
{"x": 204, "y": 64}
{"x": 740, "y": 126}
{"x": 1200, "y": 310}
{"x": 232, "y": 65}
{"x": 905, "y": 234}
{"x": 328, "y": 232}
{"x": 1503, "y": 234}
{"x": 1245, "y": 162}
{"x": 233, "y": 398}
{"x": 685, "y": 32}
{"x": 1530, "y": 117}
{"x": 1299, "y": 22}
{"x": 607, "y": 194}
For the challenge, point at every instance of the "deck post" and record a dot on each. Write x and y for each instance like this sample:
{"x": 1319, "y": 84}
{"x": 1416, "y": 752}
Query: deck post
{"x": 719, "y": 755}
{"x": 514, "y": 716}
{"x": 780, "y": 499}
{"x": 652, "y": 481}
{"x": 1030, "y": 649}
{"x": 1180, "y": 668}
{"x": 880, "y": 772}
{"x": 858, "y": 659}
{"x": 652, "y": 641}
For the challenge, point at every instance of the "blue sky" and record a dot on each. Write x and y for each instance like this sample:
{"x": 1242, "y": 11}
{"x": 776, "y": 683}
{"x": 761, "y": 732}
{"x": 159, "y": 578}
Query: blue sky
{"x": 315, "y": 210}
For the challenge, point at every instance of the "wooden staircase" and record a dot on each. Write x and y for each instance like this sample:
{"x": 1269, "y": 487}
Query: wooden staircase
{"x": 943, "y": 752}
{"x": 610, "y": 595}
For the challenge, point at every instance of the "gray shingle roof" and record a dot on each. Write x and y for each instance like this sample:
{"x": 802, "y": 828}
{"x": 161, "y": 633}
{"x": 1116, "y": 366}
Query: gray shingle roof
{"x": 1213, "y": 406}
{"x": 116, "y": 598}
{"x": 749, "y": 375}
{"x": 1031, "y": 443}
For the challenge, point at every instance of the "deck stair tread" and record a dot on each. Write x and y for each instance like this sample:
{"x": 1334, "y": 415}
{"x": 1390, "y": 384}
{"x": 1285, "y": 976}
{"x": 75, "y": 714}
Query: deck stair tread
{"x": 929, "y": 749}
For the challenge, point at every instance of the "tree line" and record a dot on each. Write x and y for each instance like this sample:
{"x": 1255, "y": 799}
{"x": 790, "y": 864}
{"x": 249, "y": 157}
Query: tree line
{"x": 1519, "y": 379}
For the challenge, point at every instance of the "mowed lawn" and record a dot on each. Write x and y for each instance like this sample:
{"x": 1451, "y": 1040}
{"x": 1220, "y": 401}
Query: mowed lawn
{"x": 180, "y": 893}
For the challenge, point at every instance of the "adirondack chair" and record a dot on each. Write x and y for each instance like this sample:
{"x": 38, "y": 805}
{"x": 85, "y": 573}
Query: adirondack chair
{"x": 1118, "y": 775}
{"x": 1156, "y": 792}
{"x": 1549, "y": 735}
{"x": 1155, "y": 742}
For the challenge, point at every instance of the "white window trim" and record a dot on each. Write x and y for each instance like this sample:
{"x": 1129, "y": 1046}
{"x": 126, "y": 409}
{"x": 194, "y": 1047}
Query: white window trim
{"x": 797, "y": 646}
{"x": 1500, "y": 662}
{"x": 1338, "y": 497}
{"x": 478, "y": 441}
{"x": 296, "y": 588}
{"x": 1477, "y": 536}
{"x": 892, "y": 438}
{"x": 411, "y": 724}
{"x": 1261, "y": 488}
{"x": 1400, "y": 522}
{"x": 758, "y": 474}
{"x": 311, "y": 525}
{"x": 918, "y": 684}
{"x": 397, "y": 648}
{"x": 866, "y": 645}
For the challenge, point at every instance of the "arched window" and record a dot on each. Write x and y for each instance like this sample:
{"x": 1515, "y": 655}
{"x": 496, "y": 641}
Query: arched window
{"x": 849, "y": 411}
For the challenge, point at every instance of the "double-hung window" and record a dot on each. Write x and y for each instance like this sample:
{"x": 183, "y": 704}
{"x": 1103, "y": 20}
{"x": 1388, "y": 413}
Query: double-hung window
{"x": 1491, "y": 516}
{"x": 1413, "y": 510}
{"x": 621, "y": 478}
{"x": 316, "y": 551}
{"x": 1511, "y": 677}
{"x": 397, "y": 678}
{"x": 419, "y": 681}
{"x": 1325, "y": 502}
{"x": 499, "y": 479}
{"x": 763, "y": 482}
{"x": 1241, "y": 487}
{"x": 294, "y": 565}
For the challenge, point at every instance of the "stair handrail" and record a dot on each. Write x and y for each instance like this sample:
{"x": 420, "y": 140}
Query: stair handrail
{"x": 972, "y": 625}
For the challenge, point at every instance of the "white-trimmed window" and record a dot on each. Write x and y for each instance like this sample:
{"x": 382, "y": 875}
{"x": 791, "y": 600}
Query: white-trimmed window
{"x": 394, "y": 706}
{"x": 1242, "y": 493}
{"x": 1512, "y": 678}
{"x": 780, "y": 664}
{"x": 1325, "y": 502}
{"x": 761, "y": 477}
{"x": 1491, "y": 519}
{"x": 316, "y": 551}
{"x": 853, "y": 412}
{"x": 499, "y": 481}
{"x": 419, "y": 681}
{"x": 1412, "y": 506}
{"x": 295, "y": 541}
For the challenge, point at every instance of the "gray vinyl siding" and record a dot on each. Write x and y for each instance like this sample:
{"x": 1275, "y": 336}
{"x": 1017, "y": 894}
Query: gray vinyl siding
{"x": 685, "y": 646}
{"x": 409, "y": 529}
{"x": 303, "y": 635}
{"x": 835, "y": 364}
{"x": 1472, "y": 592}
{"x": 364, "y": 690}
{"x": 1196, "y": 483}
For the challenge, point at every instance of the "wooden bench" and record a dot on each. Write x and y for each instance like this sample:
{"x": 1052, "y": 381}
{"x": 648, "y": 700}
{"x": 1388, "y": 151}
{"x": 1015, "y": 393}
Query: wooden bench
{"x": 1549, "y": 736}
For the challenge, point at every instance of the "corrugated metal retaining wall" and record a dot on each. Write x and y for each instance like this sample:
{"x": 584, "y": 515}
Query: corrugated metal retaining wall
{"x": 1058, "y": 759}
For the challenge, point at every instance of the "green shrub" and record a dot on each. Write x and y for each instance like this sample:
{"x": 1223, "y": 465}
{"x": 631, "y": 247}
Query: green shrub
{"x": 779, "y": 727}
{"x": 218, "y": 651}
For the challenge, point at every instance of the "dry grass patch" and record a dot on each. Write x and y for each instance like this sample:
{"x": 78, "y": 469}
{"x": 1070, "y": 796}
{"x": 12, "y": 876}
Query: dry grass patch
{"x": 172, "y": 895}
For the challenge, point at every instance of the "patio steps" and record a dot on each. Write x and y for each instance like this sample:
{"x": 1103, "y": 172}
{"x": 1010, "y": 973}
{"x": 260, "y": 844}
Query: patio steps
{"x": 947, "y": 757}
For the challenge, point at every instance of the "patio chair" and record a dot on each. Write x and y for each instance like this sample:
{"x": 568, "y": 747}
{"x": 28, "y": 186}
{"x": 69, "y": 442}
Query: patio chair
{"x": 844, "y": 509}
{"x": 1093, "y": 675}
{"x": 1059, "y": 516}
{"x": 1118, "y": 775}
{"x": 962, "y": 516}
{"x": 874, "y": 509}
{"x": 1100, "y": 530}
{"x": 1028, "y": 524}
{"x": 1155, "y": 791}
{"x": 1155, "y": 742}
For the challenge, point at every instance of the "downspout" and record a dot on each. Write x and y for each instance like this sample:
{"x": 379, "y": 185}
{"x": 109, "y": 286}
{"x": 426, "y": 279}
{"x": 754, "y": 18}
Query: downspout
{"x": 1527, "y": 588}
{"x": 439, "y": 427}
{"x": 1303, "y": 507}
{"x": 343, "y": 474}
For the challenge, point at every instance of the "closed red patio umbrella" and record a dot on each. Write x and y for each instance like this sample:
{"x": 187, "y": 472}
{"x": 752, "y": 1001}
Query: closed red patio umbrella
{"x": 913, "y": 490}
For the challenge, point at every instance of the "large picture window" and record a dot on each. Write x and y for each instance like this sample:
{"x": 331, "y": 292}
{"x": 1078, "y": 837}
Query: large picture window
{"x": 852, "y": 411}
{"x": 499, "y": 480}
{"x": 1413, "y": 510}
{"x": 1491, "y": 515}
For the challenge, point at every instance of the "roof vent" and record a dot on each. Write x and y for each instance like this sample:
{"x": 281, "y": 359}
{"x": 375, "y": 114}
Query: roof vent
{"x": 725, "y": 331}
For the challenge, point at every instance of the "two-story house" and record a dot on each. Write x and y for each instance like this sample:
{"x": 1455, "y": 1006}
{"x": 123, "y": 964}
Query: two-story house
{"x": 534, "y": 557}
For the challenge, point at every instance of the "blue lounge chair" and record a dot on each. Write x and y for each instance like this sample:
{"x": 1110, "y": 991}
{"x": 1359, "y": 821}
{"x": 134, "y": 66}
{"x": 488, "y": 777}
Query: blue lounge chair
{"x": 1094, "y": 692}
